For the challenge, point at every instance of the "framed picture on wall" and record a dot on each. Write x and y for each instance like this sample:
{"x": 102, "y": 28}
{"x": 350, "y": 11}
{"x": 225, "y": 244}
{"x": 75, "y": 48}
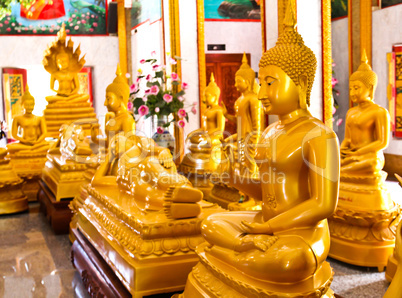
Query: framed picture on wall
{"x": 14, "y": 82}
{"x": 221, "y": 10}
{"x": 339, "y": 9}
{"x": 45, "y": 17}
{"x": 395, "y": 89}
{"x": 143, "y": 11}
{"x": 85, "y": 80}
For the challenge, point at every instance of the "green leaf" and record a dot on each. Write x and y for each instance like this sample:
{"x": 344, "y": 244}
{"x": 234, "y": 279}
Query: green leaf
{"x": 186, "y": 117}
{"x": 175, "y": 83}
{"x": 138, "y": 102}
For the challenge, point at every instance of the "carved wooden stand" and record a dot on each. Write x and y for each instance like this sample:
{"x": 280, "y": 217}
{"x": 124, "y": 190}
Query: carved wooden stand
{"x": 57, "y": 212}
{"x": 98, "y": 278}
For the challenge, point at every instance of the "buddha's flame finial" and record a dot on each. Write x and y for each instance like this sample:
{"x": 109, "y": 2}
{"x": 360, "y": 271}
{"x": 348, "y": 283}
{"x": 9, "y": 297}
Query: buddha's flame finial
{"x": 27, "y": 94}
{"x": 118, "y": 70}
{"x": 244, "y": 59}
{"x": 61, "y": 35}
{"x": 289, "y": 23}
{"x": 212, "y": 77}
{"x": 364, "y": 57}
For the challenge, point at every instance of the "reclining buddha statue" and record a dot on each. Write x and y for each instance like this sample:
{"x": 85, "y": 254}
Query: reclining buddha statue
{"x": 64, "y": 64}
{"x": 28, "y": 153}
{"x": 363, "y": 226}
{"x": 205, "y": 143}
{"x": 279, "y": 251}
{"x": 138, "y": 212}
{"x": 239, "y": 149}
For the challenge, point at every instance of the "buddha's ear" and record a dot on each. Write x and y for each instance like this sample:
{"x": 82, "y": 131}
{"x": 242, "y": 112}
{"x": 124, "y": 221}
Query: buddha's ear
{"x": 303, "y": 91}
{"x": 371, "y": 92}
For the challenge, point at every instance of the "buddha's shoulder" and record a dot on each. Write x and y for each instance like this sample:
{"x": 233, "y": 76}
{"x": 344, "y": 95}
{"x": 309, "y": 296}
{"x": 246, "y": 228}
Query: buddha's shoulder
{"x": 312, "y": 125}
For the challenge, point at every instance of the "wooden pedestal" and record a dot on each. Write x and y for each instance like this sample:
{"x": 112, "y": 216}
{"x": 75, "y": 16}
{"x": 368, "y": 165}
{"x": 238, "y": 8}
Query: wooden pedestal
{"x": 57, "y": 212}
{"x": 98, "y": 278}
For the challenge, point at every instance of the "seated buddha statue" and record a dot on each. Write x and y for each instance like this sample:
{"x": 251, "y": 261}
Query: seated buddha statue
{"x": 281, "y": 250}
{"x": 249, "y": 118}
{"x": 367, "y": 126}
{"x": 363, "y": 226}
{"x": 29, "y": 130}
{"x": 64, "y": 63}
{"x": 118, "y": 119}
{"x": 212, "y": 120}
{"x": 204, "y": 143}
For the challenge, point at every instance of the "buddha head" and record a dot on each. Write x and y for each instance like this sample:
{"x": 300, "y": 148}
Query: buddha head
{"x": 62, "y": 60}
{"x": 362, "y": 82}
{"x": 245, "y": 76}
{"x": 287, "y": 71}
{"x": 212, "y": 92}
{"x": 28, "y": 101}
{"x": 117, "y": 93}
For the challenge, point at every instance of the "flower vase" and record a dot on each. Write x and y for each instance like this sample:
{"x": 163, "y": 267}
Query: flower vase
{"x": 162, "y": 138}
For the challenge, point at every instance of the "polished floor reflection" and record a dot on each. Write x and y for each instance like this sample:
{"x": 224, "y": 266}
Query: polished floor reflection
{"x": 36, "y": 263}
{"x": 33, "y": 261}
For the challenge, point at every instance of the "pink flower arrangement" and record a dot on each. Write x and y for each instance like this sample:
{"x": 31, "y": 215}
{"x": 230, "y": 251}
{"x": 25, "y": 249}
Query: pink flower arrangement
{"x": 168, "y": 98}
{"x": 160, "y": 130}
{"x": 130, "y": 105}
{"x": 133, "y": 88}
{"x": 193, "y": 110}
{"x": 143, "y": 110}
{"x": 184, "y": 86}
{"x": 162, "y": 95}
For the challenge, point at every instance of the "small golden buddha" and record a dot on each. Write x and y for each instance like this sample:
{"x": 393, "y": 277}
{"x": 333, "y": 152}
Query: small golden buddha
{"x": 367, "y": 126}
{"x": 12, "y": 199}
{"x": 280, "y": 250}
{"x": 249, "y": 117}
{"x": 213, "y": 120}
{"x": 29, "y": 130}
{"x": 204, "y": 143}
{"x": 363, "y": 226}
{"x": 118, "y": 117}
{"x": 64, "y": 63}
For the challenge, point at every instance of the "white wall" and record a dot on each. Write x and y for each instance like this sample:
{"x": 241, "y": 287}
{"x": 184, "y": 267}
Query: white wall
{"x": 387, "y": 30}
{"x": 239, "y": 37}
{"x": 340, "y": 56}
{"x": 189, "y": 54}
{"x": 102, "y": 52}
{"x": 309, "y": 27}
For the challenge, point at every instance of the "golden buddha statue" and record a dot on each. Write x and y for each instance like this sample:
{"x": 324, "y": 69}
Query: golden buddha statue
{"x": 12, "y": 199}
{"x": 29, "y": 130}
{"x": 28, "y": 154}
{"x": 118, "y": 118}
{"x": 204, "y": 143}
{"x": 249, "y": 117}
{"x": 64, "y": 64}
{"x": 239, "y": 148}
{"x": 281, "y": 250}
{"x": 363, "y": 226}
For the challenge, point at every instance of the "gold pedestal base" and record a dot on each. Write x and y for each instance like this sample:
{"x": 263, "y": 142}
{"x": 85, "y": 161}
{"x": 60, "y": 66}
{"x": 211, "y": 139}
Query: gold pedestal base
{"x": 149, "y": 253}
{"x": 214, "y": 278}
{"x": 14, "y": 205}
{"x": 63, "y": 177}
{"x": 369, "y": 254}
{"x": 31, "y": 188}
{"x": 391, "y": 268}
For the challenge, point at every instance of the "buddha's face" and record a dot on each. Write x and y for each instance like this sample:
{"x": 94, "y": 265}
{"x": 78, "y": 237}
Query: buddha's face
{"x": 241, "y": 84}
{"x": 210, "y": 99}
{"x": 62, "y": 61}
{"x": 29, "y": 105}
{"x": 278, "y": 93}
{"x": 112, "y": 101}
{"x": 358, "y": 92}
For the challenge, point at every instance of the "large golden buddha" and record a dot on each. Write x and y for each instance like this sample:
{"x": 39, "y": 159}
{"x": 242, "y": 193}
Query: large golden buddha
{"x": 28, "y": 154}
{"x": 64, "y": 63}
{"x": 363, "y": 227}
{"x": 205, "y": 143}
{"x": 281, "y": 250}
